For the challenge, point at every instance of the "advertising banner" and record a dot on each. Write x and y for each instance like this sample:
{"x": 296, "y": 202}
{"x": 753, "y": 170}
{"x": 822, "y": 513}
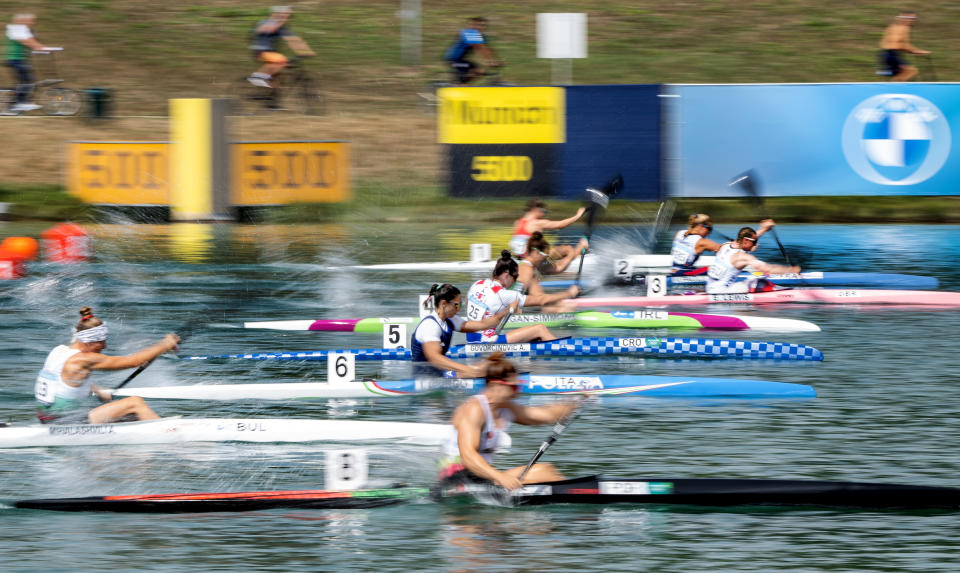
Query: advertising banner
{"x": 118, "y": 173}
{"x": 610, "y": 130}
{"x": 502, "y": 170}
{"x": 829, "y": 139}
{"x": 501, "y": 115}
{"x": 280, "y": 172}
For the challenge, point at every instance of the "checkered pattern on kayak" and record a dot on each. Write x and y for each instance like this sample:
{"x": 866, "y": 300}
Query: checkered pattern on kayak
{"x": 595, "y": 346}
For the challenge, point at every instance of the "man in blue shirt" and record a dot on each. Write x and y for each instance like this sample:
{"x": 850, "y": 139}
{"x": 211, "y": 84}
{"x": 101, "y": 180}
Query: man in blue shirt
{"x": 471, "y": 38}
{"x": 266, "y": 36}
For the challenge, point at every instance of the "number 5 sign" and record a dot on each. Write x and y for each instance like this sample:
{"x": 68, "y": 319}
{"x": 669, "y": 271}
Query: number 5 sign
{"x": 341, "y": 367}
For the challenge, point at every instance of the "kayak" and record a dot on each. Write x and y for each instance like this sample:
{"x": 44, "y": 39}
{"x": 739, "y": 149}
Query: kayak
{"x": 234, "y": 501}
{"x": 711, "y": 492}
{"x": 594, "y": 346}
{"x": 591, "y": 385}
{"x": 589, "y": 319}
{"x": 823, "y": 296}
{"x": 805, "y": 279}
{"x": 176, "y": 430}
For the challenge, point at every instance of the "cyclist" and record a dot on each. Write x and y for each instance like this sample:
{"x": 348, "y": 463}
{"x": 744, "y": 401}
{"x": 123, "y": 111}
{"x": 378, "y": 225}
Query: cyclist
{"x": 264, "y": 45}
{"x": 469, "y": 39}
{"x": 895, "y": 41}
{"x": 19, "y": 43}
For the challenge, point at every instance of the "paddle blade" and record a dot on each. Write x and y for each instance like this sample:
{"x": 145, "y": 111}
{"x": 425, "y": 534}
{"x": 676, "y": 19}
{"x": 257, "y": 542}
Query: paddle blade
{"x": 601, "y": 196}
{"x": 746, "y": 182}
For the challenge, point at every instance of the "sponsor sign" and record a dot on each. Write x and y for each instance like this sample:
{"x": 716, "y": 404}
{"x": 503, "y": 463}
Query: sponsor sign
{"x": 502, "y": 115}
{"x": 119, "y": 173}
{"x": 502, "y": 169}
{"x": 575, "y": 383}
{"x": 279, "y": 172}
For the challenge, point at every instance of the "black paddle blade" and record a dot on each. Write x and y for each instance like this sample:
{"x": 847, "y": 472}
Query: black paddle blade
{"x": 601, "y": 196}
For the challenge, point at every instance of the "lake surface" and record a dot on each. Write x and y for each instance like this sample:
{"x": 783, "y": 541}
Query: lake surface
{"x": 887, "y": 410}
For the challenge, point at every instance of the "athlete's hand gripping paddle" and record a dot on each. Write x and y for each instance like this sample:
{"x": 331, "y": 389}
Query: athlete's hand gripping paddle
{"x": 746, "y": 181}
{"x": 187, "y": 329}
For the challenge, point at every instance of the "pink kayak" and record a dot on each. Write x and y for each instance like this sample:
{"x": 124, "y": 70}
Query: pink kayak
{"x": 824, "y": 296}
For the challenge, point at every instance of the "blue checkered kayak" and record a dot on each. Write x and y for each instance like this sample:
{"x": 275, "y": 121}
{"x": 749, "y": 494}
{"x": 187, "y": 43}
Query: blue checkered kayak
{"x": 592, "y": 346}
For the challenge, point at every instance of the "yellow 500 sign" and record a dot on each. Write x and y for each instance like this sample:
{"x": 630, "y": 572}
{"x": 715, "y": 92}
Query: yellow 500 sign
{"x": 118, "y": 173}
{"x": 271, "y": 173}
{"x": 501, "y": 168}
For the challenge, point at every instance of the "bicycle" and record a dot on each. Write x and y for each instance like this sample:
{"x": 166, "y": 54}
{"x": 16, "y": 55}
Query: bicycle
{"x": 52, "y": 100}
{"x": 295, "y": 85}
{"x": 429, "y": 100}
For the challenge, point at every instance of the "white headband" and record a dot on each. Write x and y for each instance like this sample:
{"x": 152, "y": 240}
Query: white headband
{"x": 95, "y": 334}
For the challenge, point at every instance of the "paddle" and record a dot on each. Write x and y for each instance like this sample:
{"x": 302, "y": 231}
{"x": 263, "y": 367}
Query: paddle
{"x": 185, "y": 330}
{"x": 598, "y": 198}
{"x": 746, "y": 182}
{"x": 558, "y": 429}
{"x": 504, "y": 320}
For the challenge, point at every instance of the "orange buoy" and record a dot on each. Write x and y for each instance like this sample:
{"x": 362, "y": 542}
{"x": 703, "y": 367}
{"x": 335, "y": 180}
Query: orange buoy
{"x": 12, "y": 265}
{"x": 66, "y": 243}
{"x": 23, "y": 246}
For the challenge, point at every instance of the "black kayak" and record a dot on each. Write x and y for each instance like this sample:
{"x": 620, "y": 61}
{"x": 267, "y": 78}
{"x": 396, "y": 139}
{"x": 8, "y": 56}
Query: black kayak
{"x": 239, "y": 501}
{"x": 711, "y": 492}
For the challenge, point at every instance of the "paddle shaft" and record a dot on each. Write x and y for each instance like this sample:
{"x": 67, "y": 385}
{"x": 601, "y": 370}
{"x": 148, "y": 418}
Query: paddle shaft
{"x": 745, "y": 180}
{"x": 558, "y": 429}
{"x": 187, "y": 329}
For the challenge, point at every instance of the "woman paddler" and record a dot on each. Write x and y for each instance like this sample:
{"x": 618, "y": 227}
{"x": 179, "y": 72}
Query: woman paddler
{"x": 488, "y": 297}
{"x": 723, "y": 276}
{"x": 63, "y": 389}
{"x": 536, "y": 263}
{"x": 690, "y": 243}
{"x": 431, "y": 338}
{"x": 533, "y": 220}
{"x": 480, "y": 429}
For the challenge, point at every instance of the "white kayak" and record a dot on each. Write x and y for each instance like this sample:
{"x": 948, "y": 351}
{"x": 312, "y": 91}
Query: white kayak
{"x": 462, "y": 266}
{"x": 176, "y": 430}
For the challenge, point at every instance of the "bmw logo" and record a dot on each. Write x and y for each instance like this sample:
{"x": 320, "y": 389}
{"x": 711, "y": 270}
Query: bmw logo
{"x": 896, "y": 139}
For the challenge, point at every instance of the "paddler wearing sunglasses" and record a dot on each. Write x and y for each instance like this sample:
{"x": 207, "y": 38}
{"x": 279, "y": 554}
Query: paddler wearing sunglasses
{"x": 690, "y": 243}
{"x": 480, "y": 430}
{"x": 723, "y": 276}
{"x": 431, "y": 338}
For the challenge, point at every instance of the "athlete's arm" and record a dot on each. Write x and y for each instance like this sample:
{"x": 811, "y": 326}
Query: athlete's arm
{"x": 561, "y": 265}
{"x": 706, "y": 244}
{"x": 435, "y": 356}
{"x": 542, "y": 299}
{"x": 547, "y": 225}
{"x": 489, "y": 322}
{"x": 469, "y": 421}
{"x": 746, "y": 260}
{"x": 541, "y": 415}
{"x": 86, "y": 361}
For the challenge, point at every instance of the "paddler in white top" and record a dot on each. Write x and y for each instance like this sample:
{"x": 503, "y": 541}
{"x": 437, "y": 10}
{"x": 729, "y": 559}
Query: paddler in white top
{"x": 690, "y": 243}
{"x": 491, "y": 296}
{"x": 533, "y": 220}
{"x": 431, "y": 338}
{"x": 724, "y": 274}
{"x": 536, "y": 263}
{"x": 63, "y": 388}
{"x": 481, "y": 425}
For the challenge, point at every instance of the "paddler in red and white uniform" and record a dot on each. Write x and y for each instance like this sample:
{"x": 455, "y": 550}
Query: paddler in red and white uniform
{"x": 491, "y": 296}
{"x": 480, "y": 430}
{"x": 63, "y": 389}
{"x": 690, "y": 243}
{"x": 723, "y": 276}
{"x": 534, "y": 220}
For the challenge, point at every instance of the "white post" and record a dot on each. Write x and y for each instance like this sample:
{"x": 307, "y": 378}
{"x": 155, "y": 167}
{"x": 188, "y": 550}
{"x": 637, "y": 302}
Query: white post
{"x": 561, "y": 37}
{"x": 410, "y": 33}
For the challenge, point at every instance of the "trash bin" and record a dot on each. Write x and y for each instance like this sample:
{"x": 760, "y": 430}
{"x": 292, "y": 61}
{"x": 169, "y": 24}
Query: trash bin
{"x": 98, "y": 101}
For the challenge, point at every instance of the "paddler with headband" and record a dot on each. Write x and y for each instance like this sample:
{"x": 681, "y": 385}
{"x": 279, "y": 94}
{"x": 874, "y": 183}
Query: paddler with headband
{"x": 690, "y": 243}
{"x": 481, "y": 425}
{"x": 723, "y": 276}
{"x": 63, "y": 389}
{"x": 431, "y": 338}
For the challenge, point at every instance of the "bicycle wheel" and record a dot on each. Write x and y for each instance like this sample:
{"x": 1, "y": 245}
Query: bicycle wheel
{"x": 7, "y": 99}
{"x": 249, "y": 99}
{"x": 310, "y": 100}
{"x": 60, "y": 101}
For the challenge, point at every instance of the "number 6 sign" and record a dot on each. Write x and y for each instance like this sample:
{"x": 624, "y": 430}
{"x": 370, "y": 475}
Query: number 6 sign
{"x": 341, "y": 367}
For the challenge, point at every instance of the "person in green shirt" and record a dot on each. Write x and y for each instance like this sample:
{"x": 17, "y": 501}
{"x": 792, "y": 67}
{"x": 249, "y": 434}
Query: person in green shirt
{"x": 18, "y": 44}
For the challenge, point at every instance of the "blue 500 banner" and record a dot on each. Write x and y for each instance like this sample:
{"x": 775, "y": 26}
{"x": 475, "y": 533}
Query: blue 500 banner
{"x": 838, "y": 139}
